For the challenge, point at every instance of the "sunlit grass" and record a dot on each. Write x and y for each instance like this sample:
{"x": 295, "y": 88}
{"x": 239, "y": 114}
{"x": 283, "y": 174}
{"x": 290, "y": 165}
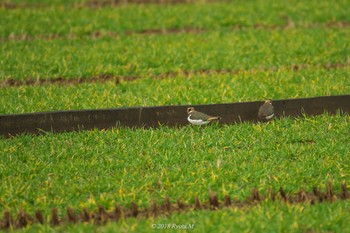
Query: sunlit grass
{"x": 158, "y": 54}
{"x": 60, "y": 18}
{"x": 86, "y": 169}
{"x": 193, "y": 89}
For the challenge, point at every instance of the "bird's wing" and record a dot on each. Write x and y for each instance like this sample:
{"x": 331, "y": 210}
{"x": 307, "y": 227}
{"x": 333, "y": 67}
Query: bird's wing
{"x": 199, "y": 116}
{"x": 266, "y": 110}
{"x": 269, "y": 110}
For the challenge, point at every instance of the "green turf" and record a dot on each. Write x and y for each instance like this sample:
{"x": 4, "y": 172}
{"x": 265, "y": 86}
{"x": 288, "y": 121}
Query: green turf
{"x": 83, "y": 21}
{"x": 101, "y": 167}
{"x": 269, "y": 217}
{"x": 194, "y": 89}
{"x": 88, "y": 169}
{"x": 149, "y": 55}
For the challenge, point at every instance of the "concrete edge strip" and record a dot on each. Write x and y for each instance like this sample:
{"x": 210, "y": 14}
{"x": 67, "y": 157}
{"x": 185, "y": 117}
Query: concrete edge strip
{"x": 173, "y": 116}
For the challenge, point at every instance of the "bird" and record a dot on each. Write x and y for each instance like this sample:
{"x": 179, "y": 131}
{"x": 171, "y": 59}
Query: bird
{"x": 266, "y": 111}
{"x": 199, "y": 118}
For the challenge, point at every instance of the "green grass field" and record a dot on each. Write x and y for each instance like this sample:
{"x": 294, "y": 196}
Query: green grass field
{"x": 186, "y": 53}
{"x": 181, "y": 89}
{"x": 140, "y": 55}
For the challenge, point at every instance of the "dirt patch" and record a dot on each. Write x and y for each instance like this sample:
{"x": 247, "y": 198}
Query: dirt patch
{"x": 13, "y": 5}
{"x": 166, "y": 208}
{"x": 97, "y": 3}
{"x": 115, "y": 3}
{"x": 103, "y": 78}
{"x": 64, "y": 81}
{"x": 156, "y": 31}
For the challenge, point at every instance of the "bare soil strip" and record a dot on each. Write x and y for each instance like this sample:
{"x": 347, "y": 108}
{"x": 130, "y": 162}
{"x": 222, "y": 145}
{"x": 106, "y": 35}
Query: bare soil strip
{"x": 166, "y": 208}
{"x": 97, "y": 3}
{"x": 103, "y": 78}
{"x": 168, "y": 31}
{"x": 116, "y": 3}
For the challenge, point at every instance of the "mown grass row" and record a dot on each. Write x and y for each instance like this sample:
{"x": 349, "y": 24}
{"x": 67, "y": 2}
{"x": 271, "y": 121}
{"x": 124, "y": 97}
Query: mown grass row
{"x": 267, "y": 217}
{"x": 181, "y": 89}
{"x": 62, "y": 21}
{"x": 87, "y": 169}
{"x": 102, "y": 216}
{"x": 150, "y": 55}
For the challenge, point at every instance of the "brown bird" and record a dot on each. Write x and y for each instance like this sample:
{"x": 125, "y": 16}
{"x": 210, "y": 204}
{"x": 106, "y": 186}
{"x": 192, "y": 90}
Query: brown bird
{"x": 266, "y": 111}
{"x": 199, "y": 118}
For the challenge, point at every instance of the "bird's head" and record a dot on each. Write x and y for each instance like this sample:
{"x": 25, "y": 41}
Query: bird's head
{"x": 269, "y": 101}
{"x": 190, "y": 110}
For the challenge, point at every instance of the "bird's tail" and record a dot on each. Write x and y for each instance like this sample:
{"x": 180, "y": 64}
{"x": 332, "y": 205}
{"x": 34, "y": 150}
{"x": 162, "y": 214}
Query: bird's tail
{"x": 214, "y": 118}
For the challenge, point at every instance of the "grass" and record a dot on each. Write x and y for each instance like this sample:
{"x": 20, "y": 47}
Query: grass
{"x": 100, "y": 167}
{"x": 87, "y": 169}
{"x": 192, "y": 89}
{"x": 151, "y": 55}
{"x": 260, "y": 41}
{"x": 58, "y": 20}
{"x": 267, "y": 217}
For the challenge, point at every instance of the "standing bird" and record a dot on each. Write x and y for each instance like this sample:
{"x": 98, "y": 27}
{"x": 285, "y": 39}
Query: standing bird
{"x": 266, "y": 111}
{"x": 199, "y": 118}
